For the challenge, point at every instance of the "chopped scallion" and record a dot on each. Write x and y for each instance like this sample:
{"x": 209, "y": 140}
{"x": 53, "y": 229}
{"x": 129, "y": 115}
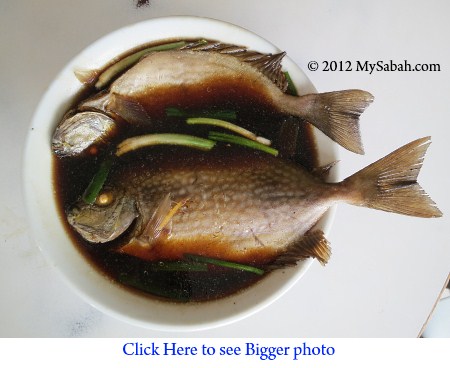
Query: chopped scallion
{"x": 96, "y": 184}
{"x": 229, "y": 138}
{"x": 227, "y": 264}
{"x": 291, "y": 88}
{"x": 230, "y": 126}
{"x": 134, "y": 143}
{"x": 156, "y": 287}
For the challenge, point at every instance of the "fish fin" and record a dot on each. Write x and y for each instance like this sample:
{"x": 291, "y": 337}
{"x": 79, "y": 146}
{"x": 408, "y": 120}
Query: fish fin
{"x": 390, "y": 184}
{"x": 336, "y": 114}
{"x": 98, "y": 102}
{"x": 158, "y": 227}
{"x": 312, "y": 244}
{"x": 267, "y": 64}
{"x": 130, "y": 110}
{"x": 154, "y": 226}
{"x": 270, "y": 66}
{"x": 86, "y": 76}
{"x": 160, "y": 224}
{"x": 322, "y": 172}
{"x": 214, "y": 46}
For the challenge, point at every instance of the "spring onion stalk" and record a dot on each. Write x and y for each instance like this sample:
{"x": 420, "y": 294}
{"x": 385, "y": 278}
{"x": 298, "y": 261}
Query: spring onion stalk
{"x": 230, "y": 126}
{"x": 128, "y": 61}
{"x": 213, "y": 114}
{"x": 95, "y": 186}
{"x": 234, "y": 139}
{"x": 291, "y": 89}
{"x": 141, "y": 141}
{"x": 227, "y": 264}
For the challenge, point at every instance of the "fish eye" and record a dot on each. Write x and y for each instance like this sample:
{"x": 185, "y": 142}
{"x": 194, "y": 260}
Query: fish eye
{"x": 104, "y": 198}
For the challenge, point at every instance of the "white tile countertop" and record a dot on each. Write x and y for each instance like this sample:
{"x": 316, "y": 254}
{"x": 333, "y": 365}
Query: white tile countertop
{"x": 386, "y": 271}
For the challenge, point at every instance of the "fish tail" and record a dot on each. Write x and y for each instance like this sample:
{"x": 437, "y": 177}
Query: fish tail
{"x": 337, "y": 114}
{"x": 390, "y": 184}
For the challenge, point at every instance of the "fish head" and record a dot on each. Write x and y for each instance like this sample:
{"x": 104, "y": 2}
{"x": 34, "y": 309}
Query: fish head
{"x": 78, "y": 132}
{"x": 112, "y": 213}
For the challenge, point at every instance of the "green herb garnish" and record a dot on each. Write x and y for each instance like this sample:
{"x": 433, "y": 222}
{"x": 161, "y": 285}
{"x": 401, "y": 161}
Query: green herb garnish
{"x": 96, "y": 184}
{"x": 154, "y": 286}
{"x": 141, "y": 141}
{"x": 291, "y": 89}
{"x": 230, "y": 126}
{"x": 222, "y": 263}
{"x": 234, "y": 139}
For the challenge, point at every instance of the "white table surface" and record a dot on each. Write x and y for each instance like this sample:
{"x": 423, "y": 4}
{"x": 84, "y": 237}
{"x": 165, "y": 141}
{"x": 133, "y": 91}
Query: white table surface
{"x": 386, "y": 270}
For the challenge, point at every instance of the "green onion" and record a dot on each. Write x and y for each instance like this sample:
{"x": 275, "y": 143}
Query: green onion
{"x": 156, "y": 287}
{"x": 128, "y": 61}
{"x": 230, "y": 126}
{"x": 227, "y": 264}
{"x": 213, "y": 114}
{"x": 291, "y": 89}
{"x": 229, "y": 138}
{"x": 96, "y": 184}
{"x": 134, "y": 143}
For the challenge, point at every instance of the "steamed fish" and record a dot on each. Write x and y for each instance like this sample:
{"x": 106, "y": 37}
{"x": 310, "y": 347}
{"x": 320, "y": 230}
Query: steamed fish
{"x": 250, "y": 207}
{"x": 213, "y": 73}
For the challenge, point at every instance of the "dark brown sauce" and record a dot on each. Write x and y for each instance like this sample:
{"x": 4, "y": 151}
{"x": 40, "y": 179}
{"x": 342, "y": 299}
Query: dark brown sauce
{"x": 72, "y": 175}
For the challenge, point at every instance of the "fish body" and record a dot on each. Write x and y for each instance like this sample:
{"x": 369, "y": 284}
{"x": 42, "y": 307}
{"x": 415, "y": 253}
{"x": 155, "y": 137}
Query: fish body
{"x": 204, "y": 77}
{"x": 172, "y": 78}
{"x": 247, "y": 208}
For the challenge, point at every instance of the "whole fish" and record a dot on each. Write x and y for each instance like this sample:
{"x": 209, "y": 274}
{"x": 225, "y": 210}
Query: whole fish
{"x": 250, "y": 207}
{"x": 208, "y": 75}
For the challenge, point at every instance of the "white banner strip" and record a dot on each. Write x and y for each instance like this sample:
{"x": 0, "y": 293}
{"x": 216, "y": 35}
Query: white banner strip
{"x": 216, "y": 353}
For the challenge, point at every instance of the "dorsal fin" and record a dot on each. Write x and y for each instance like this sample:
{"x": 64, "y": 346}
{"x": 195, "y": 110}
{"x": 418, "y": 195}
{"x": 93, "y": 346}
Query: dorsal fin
{"x": 267, "y": 64}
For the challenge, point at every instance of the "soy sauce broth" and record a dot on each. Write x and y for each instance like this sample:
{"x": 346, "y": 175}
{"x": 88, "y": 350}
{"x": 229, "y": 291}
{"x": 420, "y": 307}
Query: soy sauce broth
{"x": 71, "y": 176}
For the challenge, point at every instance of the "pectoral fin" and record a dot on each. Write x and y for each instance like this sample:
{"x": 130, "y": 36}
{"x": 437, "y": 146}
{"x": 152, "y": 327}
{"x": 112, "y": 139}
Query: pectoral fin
{"x": 312, "y": 244}
{"x": 128, "y": 109}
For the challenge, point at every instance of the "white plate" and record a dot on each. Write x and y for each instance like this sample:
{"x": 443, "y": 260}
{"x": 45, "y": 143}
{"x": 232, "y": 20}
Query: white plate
{"x": 46, "y": 224}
